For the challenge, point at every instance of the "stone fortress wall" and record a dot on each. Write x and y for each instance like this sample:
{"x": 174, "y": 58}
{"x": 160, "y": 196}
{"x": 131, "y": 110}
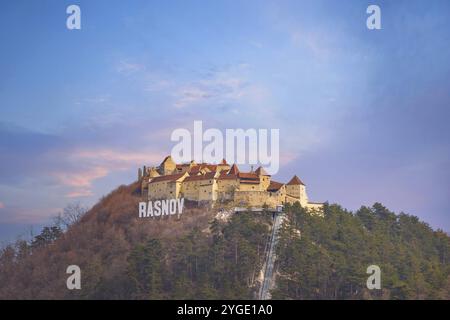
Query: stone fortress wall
{"x": 221, "y": 182}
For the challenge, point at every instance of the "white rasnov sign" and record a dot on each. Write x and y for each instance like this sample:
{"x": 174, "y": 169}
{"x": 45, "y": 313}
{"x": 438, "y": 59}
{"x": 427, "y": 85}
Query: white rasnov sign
{"x": 159, "y": 208}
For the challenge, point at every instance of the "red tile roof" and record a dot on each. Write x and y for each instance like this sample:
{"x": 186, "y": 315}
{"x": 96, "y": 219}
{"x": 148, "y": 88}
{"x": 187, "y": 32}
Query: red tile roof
{"x": 234, "y": 169}
{"x": 194, "y": 171}
{"x": 224, "y": 176}
{"x": 206, "y": 176}
{"x": 249, "y": 182}
{"x": 198, "y": 167}
{"x": 248, "y": 178}
{"x": 274, "y": 186}
{"x": 170, "y": 177}
{"x": 295, "y": 181}
{"x": 248, "y": 175}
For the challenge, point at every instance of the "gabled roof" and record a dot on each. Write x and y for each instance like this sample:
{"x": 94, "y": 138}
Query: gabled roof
{"x": 261, "y": 172}
{"x": 249, "y": 182}
{"x": 248, "y": 176}
{"x": 295, "y": 181}
{"x": 274, "y": 186}
{"x": 234, "y": 169}
{"x": 203, "y": 167}
{"x": 206, "y": 176}
{"x": 225, "y": 176}
{"x": 194, "y": 170}
{"x": 211, "y": 167}
{"x": 153, "y": 172}
{"x": 168, "y": 158}
{"x": 170, "y": 178}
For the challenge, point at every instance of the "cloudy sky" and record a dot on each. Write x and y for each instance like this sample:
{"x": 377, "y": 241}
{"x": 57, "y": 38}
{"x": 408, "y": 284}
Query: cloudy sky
{"x": 363, "y": 114}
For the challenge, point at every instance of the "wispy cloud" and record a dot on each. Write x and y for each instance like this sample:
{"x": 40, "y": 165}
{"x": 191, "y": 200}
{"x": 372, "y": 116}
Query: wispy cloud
{"x": 98, "y": 99}
{"x": 73, "y": 166}
{"x": 118, "y": 159}
{"x": 189, "y": 95}
{"x": 80, "y": 180}
{"x": 155, "y": 85}
{"x": 229, "y": 86}
{"x": 126, "y": 68}
{"x": 28, "y": 215}
{"x": 2, "y": 205}
{"x": 314, "y": 42}
{"x": 96, "y": 164}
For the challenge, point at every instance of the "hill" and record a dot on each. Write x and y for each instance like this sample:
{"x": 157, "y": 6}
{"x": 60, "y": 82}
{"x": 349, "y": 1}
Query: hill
{"x": 123, "y": 256}
{"x": 197, "y": 256}
{"x": 327, "y": 258}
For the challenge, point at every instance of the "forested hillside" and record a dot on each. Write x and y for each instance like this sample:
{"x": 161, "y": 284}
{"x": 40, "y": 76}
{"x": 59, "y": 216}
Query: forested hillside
{"x": 198, "y": 256}
{"x": 124, "y": 257}
{"x": 327, "y": 258}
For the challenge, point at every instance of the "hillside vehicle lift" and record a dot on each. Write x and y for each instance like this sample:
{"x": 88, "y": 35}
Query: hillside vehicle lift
{"x": 270, "y": 257}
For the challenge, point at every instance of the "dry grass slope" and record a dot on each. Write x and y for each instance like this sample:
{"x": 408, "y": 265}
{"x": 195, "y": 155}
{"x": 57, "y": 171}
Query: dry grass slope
{"x": 99, "y": 244}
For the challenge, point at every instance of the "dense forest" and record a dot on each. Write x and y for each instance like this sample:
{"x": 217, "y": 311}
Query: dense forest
{"x": 196, "y": 266}
{"x": 327, "y": 257}
{"x": 201, "y": 256}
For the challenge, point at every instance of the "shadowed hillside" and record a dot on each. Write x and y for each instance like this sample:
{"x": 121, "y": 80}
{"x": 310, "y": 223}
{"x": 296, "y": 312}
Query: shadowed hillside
{"x": 123, "y": 256}
{"x": 196, "y": 256}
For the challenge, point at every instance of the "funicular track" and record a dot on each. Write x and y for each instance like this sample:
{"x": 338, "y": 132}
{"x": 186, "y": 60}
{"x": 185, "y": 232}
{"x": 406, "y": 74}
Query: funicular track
{"x": 269, "y": 259}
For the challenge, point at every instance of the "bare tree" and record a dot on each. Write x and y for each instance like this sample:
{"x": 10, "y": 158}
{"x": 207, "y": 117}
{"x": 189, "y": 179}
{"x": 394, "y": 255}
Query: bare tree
{"x": 71, "y": 214}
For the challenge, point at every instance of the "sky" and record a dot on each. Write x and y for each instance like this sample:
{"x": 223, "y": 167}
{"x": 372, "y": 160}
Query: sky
{"x": 363, "y": 114}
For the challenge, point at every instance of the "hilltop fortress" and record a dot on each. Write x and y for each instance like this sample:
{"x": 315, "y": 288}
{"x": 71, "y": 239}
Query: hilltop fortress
{"x": 201, "y": 182}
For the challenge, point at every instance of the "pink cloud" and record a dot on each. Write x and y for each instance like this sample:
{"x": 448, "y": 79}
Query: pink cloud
{"x": 80, "y": 181}
{"x": 96, "y": 164}
{"x": 119, "y": 160}
{"x": 286, "y": 157}
{"x": 80, "y": 193}
{"x": 2, "y": 205}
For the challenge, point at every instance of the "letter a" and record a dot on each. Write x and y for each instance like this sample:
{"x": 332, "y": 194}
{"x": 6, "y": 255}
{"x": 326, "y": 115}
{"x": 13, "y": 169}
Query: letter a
{"x": 74, "y": 281}
{"x": 374, "y": 281}
{"x": 74, "y": 20}
{"x": 374, "y": 20}
{"x": 182, "y": 151}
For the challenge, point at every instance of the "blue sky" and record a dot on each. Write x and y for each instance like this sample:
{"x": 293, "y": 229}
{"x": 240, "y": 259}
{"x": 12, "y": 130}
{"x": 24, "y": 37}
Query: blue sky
{"x": 363, "y": 115}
